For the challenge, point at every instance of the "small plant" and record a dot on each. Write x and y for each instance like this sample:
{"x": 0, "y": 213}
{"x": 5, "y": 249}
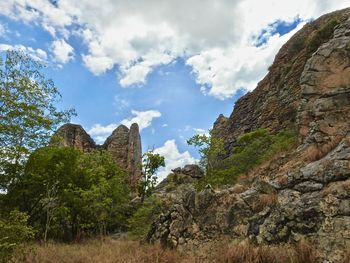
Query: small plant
{"x": 151, "y": 162}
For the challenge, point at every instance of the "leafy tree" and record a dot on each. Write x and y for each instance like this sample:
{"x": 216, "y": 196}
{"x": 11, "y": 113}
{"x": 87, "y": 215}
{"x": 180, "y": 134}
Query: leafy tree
{"x": 145, "y": 215}
{"x": 67, "y": 193}
{"x": 13, "y": 232}
{"x": 151, "y": 162}
{"x": 27, "y": 112}
{"x": 209, "y": 148}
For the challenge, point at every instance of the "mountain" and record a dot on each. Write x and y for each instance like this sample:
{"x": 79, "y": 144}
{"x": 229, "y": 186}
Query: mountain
{"x": 123, "y": 144}
{"x": 301, "y": 194}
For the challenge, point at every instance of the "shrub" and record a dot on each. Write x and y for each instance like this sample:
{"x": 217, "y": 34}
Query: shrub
{"x": 141, "y": 220}
{"x": 13, "y": 232}
{"x": 252, "y": 149}
{"x": 323, "y": 35}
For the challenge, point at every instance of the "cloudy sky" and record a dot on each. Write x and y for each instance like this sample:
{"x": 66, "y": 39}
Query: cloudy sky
{"x": 172, "y": 66}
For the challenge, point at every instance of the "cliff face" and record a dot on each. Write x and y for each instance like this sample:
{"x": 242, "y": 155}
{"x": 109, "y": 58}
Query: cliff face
{"x": 303, "y": 194}
{"x": 275, "y": 101}
{"x": 123, "y": 144}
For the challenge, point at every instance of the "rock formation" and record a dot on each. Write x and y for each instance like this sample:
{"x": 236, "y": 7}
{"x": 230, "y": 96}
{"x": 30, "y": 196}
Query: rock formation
{"x": 304, "y": 193}
{"x": 123, "y": 144}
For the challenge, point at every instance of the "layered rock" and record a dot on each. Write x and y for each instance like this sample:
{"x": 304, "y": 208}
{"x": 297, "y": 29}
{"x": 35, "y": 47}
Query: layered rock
{"x": 275, "y": 101}
{"x": 189, "y": 174}
{"x": 303, "y": 194}
{"x": 75, "y": 136}
{"x": 123, "y": 144}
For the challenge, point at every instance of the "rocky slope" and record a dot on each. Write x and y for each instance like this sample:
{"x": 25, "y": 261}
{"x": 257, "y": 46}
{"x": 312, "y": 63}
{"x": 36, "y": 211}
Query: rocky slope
{"x": 303, "y": 194}
{"x": 123, "y": 144}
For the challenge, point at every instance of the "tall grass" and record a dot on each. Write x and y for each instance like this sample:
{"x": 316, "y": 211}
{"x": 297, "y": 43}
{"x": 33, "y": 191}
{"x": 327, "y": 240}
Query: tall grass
{"x": 114, "y": 251}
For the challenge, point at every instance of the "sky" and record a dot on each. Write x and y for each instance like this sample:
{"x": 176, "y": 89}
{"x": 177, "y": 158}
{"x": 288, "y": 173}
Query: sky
{"x": 172, "y": 66}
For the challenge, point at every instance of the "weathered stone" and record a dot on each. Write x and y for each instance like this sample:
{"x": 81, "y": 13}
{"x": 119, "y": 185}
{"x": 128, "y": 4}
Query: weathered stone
{"x": 73, "y": 135}
{"x": 304, "y": 194}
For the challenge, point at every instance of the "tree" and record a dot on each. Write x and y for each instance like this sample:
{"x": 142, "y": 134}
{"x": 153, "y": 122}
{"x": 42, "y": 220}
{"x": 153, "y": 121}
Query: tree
{"x": 209, "y": 148}
{"x": 151, "y": 162}
{"x": 67, "y": 193}
{"x": 13, "y": 232}
{"x": 27, "y": 112}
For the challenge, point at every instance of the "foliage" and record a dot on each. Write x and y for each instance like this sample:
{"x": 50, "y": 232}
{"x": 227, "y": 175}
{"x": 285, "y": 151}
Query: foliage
{"x": 209, "y": 148}
{"x": 27, "y": 112}
{"x": 68, "y": 193}
{"x": 141, "y": 220}
{"x": 322, "y": 35}
{"x": 13, "y": 232}
{"x": 251, "y": 149}
{"x": 151, "y": 162}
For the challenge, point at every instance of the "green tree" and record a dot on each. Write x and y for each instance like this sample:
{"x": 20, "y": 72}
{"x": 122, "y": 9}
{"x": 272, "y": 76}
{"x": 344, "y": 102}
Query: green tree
{"x": 145, "y": 215}
{"x": 151, "y": 162}
{"x": 67, "y": 193}
{"x": 13, "y": 232}
{"x": 27, "y": 112}
{"x": 209, "y": 148}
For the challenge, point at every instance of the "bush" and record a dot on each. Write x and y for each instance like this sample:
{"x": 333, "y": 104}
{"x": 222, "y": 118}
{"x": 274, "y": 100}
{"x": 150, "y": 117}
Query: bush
{"x": 141, "y": 220}
{"x": 323, "y": 35}
{"x": 13, "y": 232}
{"x": 251, "y": 149}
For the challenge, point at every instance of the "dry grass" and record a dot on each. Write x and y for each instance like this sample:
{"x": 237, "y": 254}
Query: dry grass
{"x": 110, "y": 251}
{"x": 316, "y": 152}
{"x": 102, "y": 251}
{"x": 245, "y": 252}
{"x": 238, "y": 188}
{"x": 265, "y": 200}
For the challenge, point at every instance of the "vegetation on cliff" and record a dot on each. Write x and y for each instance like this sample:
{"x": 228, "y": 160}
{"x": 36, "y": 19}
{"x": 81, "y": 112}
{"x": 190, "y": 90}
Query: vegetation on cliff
{"x": 252, "y": 149}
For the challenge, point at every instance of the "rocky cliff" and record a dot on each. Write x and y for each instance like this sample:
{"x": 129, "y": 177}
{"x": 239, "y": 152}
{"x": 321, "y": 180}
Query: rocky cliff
{"x": 302, "y": 194}
{"x": 123, "y": 144}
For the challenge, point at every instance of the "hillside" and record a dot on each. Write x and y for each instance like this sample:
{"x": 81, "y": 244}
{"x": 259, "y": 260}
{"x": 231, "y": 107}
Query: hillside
{"x": 300, "y": 194}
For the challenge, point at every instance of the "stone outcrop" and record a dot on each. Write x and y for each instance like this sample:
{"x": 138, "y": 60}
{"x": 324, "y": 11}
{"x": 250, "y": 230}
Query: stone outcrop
{"x": 123, "y": 144}
{"x": 187, "y": 175}
{"x": 75, "y": 136}
{"x": 303, "y": 194}
{"x": 275, "y": 101}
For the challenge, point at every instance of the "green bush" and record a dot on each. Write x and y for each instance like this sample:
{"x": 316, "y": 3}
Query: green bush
{"x": 323, "y": 35}
{"x": 251, "y": 149}
{"x": 13, "y": 232}
{"x": 141, "y": 220}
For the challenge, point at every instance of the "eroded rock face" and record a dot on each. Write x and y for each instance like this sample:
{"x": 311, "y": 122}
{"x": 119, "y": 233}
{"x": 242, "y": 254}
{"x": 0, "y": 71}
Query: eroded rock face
{"x": 275, "y": 101}
{"x": 123, "y": 144}
{"x": 302, "y": 194}
{"x": 75, "y": 136}
{"x": 187, "y": 175}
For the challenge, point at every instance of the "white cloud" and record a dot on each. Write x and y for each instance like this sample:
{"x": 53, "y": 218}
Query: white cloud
{"x": 120, "y": 103}
{"x": 215, "y": 38}
{"x": 100, "y": 132}
{"x": 62, "y": 51}
{"x": 3, "y": 31}
{"x": 37, "y": 54}
{"x": 142, "y": 118}
{"x": 173, "y": 158}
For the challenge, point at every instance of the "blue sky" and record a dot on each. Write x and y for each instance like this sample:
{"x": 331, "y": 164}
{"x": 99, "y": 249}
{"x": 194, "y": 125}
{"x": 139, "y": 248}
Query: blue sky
{"x": 163, "y": 64}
